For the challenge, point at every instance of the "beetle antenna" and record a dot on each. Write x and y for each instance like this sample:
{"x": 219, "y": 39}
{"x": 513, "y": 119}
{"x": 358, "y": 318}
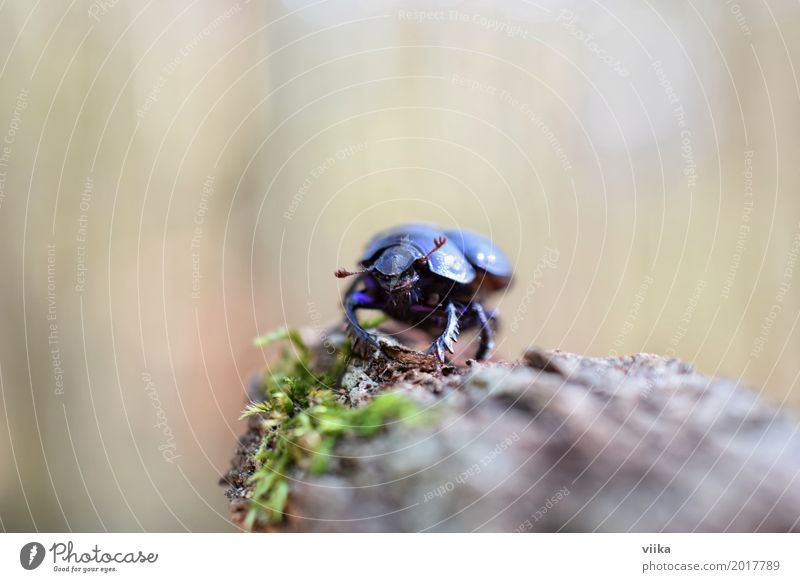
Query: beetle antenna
{"x": 342, "y": 273}
{"x": 438, "y": 243}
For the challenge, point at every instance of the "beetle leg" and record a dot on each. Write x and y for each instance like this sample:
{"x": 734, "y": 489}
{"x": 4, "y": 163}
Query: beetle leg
{"x": 449, "y": 335}
{"x": 361, "y": 337}
{"x": 486, "y": 323}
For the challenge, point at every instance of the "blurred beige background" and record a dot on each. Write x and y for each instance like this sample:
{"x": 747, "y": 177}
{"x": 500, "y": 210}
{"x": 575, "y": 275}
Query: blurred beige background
{"x": 178, "y": 177}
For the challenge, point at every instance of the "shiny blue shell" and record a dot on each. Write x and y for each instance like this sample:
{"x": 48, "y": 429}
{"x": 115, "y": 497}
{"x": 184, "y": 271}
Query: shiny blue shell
{"x": 456, "y": 260}
{"x": 448, "y": 261}
{"x": 481, "y": 252}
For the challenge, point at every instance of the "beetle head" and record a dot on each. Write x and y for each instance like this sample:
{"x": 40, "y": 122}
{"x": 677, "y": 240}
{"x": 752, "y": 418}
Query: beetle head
{"x": 394, "y": 270}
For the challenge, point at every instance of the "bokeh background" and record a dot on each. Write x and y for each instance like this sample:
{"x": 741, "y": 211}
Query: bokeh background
{"x": 178, "y": 177}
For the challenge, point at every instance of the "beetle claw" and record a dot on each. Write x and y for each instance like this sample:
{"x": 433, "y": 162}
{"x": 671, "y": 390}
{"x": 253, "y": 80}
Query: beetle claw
{"x": 361, "y": 342}
{"x": 437, "y": 349}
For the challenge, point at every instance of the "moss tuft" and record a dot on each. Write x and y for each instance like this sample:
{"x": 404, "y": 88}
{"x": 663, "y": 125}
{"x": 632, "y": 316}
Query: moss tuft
{"x": 302, "y": 419}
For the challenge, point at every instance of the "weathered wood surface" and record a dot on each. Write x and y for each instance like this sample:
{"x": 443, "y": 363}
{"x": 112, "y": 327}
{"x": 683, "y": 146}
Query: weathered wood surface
{"x": 553, "y": 442}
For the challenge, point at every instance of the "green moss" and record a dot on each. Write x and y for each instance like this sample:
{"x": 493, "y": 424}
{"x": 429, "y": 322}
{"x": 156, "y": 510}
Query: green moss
{"x": 303, "y": 419}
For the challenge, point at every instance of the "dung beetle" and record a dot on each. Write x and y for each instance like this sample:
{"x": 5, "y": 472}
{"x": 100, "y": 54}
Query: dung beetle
{"x": 434, "y": 278}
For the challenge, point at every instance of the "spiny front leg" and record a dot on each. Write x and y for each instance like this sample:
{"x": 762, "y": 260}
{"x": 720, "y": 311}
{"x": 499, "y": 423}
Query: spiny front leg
{"x": 486, "y": 324}
{"x": 449, "y": 335}
{"x": 362, "y": 339}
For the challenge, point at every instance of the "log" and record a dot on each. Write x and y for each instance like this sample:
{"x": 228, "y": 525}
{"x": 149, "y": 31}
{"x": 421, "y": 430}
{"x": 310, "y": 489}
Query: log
{"x": 549, "y": 443}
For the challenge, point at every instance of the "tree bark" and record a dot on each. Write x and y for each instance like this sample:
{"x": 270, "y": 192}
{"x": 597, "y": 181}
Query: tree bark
{"x": 552, "y": 442}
